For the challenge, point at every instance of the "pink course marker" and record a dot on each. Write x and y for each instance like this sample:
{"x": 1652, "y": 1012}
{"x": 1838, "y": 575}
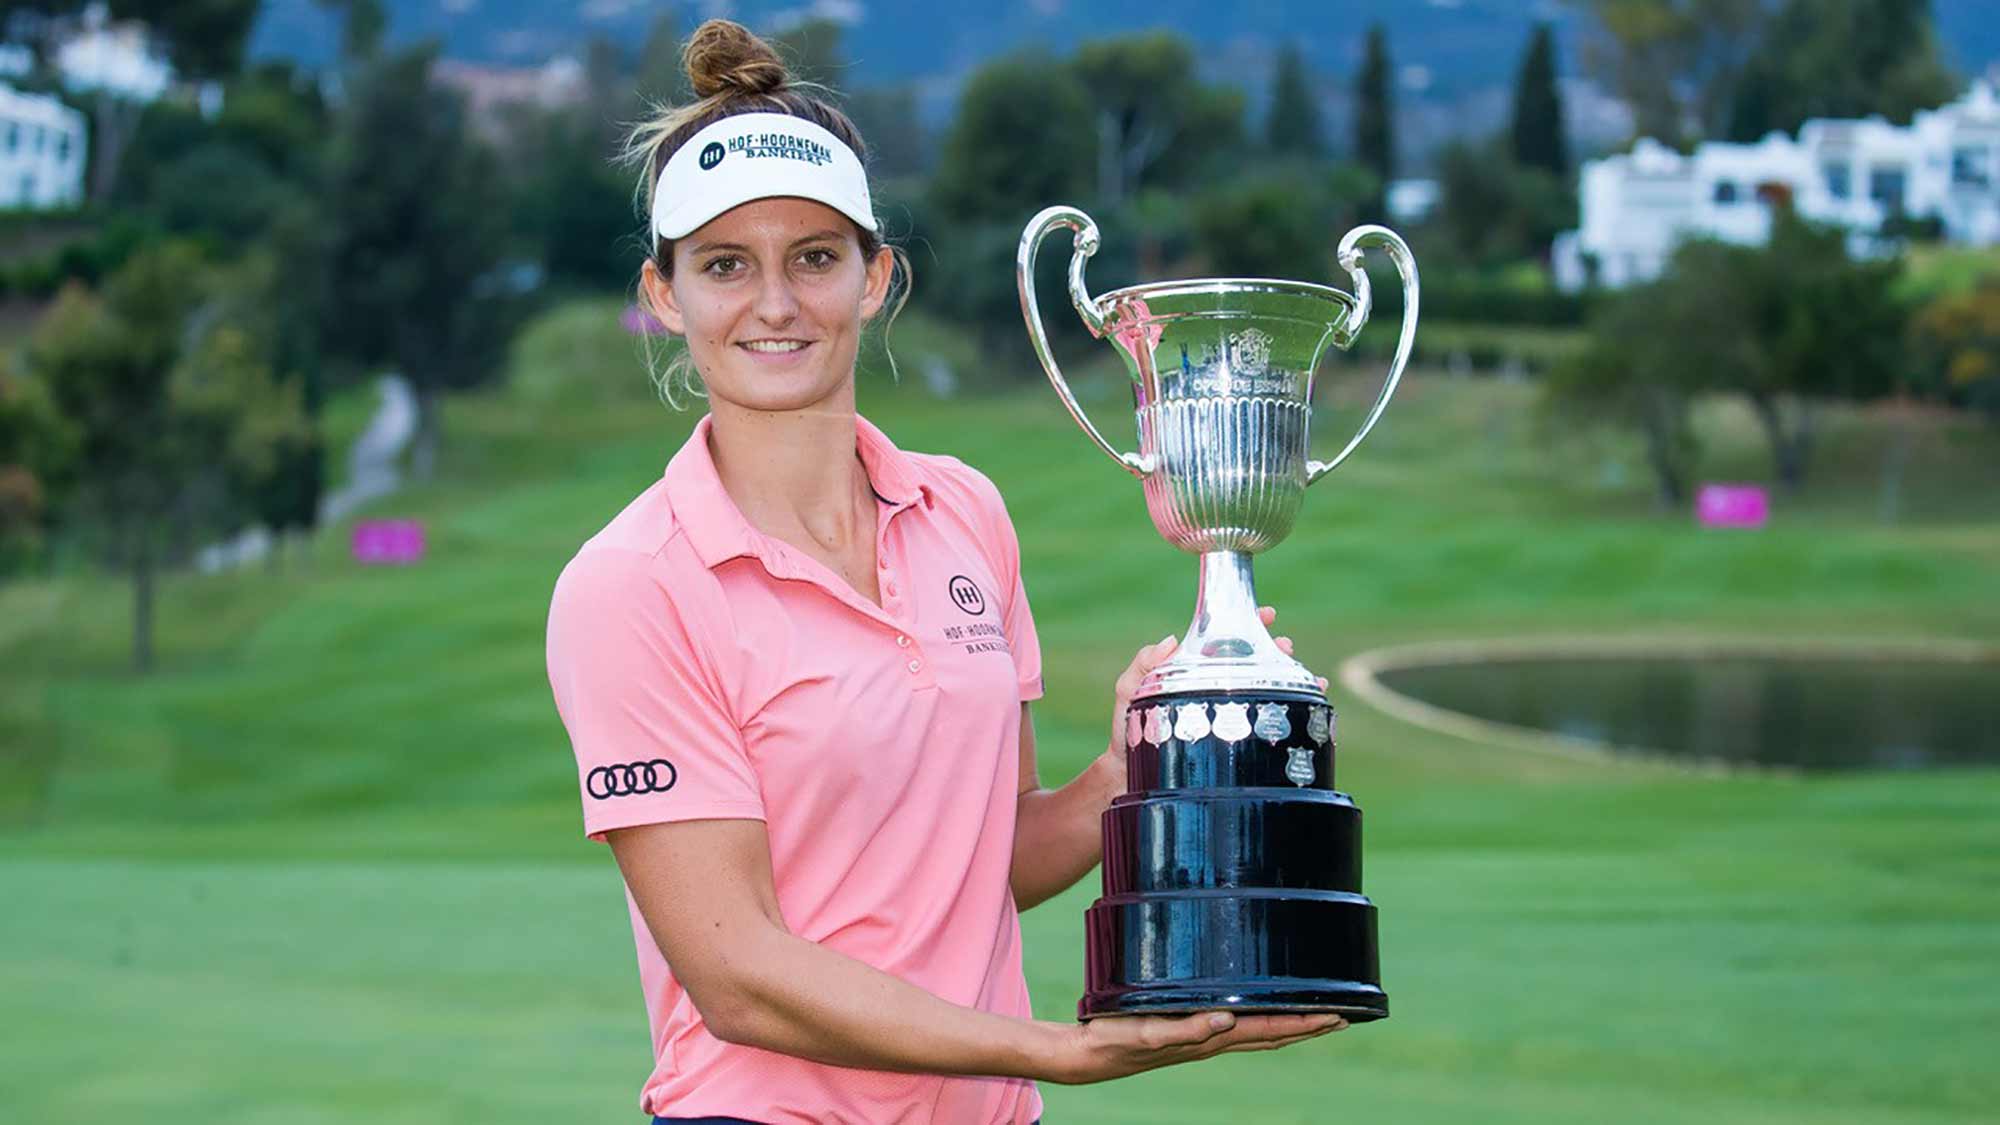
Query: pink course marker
{"x": 1732, "y": 505}
{"x": 388, "y": 542}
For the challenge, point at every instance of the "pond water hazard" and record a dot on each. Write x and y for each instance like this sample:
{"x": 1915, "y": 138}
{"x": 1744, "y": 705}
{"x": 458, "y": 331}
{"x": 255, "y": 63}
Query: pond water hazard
{"x": 1808, "y": 713}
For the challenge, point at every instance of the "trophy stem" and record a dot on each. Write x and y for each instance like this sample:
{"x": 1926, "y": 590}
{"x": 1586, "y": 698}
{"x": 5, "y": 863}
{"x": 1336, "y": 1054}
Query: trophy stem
{"x": 1226, "y": 646}
{"x": 1225, "y": 619}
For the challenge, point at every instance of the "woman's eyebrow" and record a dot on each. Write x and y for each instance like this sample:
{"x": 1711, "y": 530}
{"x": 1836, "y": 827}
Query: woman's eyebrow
{"x": 705, "y": 247}
{"x": 819, "y": 236}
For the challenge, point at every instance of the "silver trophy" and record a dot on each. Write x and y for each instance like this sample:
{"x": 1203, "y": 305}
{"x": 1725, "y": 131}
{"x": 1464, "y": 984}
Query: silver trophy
{"x": 1222, "y": 377}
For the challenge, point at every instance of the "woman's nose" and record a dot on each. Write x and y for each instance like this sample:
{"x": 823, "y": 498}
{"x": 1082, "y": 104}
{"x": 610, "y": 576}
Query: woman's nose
{"x": 776, "y": 303}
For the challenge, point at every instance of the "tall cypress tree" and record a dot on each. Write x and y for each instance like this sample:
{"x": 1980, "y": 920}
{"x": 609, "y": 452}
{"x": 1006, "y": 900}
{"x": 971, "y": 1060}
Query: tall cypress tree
{"x": 1293, "y": 125}
{"x": 1374, "y": 136}
{"x": 1537, "y": 133}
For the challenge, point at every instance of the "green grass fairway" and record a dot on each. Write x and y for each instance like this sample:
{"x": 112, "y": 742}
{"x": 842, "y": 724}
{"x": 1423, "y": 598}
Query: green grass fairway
{"x": 326, "y": 865}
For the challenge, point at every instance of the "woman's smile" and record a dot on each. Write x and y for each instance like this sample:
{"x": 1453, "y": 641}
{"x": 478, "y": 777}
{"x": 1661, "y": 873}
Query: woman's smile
{"x": 775, "y": 347}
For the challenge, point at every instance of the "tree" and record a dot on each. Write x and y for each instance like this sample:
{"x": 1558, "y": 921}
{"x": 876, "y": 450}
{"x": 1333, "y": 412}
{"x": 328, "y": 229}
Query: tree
{"x": 415, "y": 219}
{"x": 275, "y": 110}
{"x": 1537, "y": 131}
{"x": 811, "y": 50}
{"x": 1023, "y": 138}
{"x": 364, "y": 28}
{"x": 36, "y": 452}
{"x": 1293, "y": 124}
{"x": 1630, "y": 375}
{"x": 1787, "y": 326}
{"x": 1840, "y": 58}
{"x": 277, "y": 297}
{"x": 185, "y": 199}
{"x": 1279, "y": 222}
{"x": 1675, "y": 62}
{"x": 170, "y": 411}
{"x": 659, "y": 78}
{"x": 1374, "y": 124}
{"x": 1811, "y": 325}
{"x": 1958, "y": 334}
{"x": 266, "y": 145}
{"x": 1157, "y": 122}
{"x": 573, "y": 205}
{"x": 202, "y": 38}
{"x": 1492, "y": 211}
{"x": 888, "y": 120}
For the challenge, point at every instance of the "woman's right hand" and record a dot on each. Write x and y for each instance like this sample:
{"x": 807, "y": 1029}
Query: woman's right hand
{"x": 1113, "y": 1047}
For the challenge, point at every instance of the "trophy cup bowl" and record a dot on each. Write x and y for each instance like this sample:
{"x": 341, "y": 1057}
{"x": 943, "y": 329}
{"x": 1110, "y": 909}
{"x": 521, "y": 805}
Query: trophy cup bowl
{"x": 1232, "y": 867}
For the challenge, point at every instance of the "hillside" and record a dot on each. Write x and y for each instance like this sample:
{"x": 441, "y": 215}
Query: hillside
{"x": 896, "y": 40}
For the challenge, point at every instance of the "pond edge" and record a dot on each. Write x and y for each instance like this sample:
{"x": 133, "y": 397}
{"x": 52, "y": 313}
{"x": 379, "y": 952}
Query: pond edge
{"x": 1360, "y": 674}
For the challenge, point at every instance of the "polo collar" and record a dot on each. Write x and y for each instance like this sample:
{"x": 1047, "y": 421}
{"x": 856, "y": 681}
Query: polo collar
{"x": 715, "y": 526}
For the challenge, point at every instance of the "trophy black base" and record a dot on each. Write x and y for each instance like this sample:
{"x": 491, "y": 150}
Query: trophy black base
{"x": 1232, "y": 868}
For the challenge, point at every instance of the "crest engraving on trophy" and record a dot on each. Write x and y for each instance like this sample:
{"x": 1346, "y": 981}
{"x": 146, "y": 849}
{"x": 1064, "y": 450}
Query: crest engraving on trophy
{"x": 1249, "y": 352}
{"x": 1232, "y": 721}
{"x": 1273, "y": 724}
{"x": 1320, "y": 727}
{"x": 1299, "y": 769}
{"x": 1191, "y": 722}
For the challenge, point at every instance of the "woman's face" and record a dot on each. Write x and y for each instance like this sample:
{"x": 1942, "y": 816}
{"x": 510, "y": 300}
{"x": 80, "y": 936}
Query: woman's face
{"x": 771, "y": 296}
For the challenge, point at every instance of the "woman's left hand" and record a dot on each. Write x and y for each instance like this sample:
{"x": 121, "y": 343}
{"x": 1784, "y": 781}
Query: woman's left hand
{"x": 1143, "y": 662}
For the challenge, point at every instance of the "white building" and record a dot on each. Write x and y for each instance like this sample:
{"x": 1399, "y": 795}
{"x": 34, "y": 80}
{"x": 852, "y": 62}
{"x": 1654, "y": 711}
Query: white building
{"x": 114, "y": 57}
{"x": 42, "y": 151}
{"x": 1636, "y": 206}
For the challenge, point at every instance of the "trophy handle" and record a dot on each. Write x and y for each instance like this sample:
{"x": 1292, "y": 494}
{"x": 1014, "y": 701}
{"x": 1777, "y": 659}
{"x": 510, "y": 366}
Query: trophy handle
{"x": 1085, "y": 244}
{"x": 1406, "y": 266}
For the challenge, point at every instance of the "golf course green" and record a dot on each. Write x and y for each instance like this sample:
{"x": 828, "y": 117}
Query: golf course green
{"x": 325, "y": 864}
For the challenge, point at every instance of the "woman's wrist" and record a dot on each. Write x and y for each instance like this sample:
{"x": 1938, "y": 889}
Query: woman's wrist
{"x": 1106, "y": 776}
{"x": 1049, "y": 1052}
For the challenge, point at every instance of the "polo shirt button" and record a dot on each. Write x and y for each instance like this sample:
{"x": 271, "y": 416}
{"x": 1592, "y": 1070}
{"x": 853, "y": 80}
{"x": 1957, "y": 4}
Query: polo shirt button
{"x": 915, "y": 666}
{"x": 892, "y": 589}
{"x": 902, "y": 641}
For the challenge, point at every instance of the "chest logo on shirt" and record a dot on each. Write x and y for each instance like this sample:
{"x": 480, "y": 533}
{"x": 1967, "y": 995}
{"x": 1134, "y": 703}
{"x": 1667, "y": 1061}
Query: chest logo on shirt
{"x": 966, "y": 596}
{"x": 630, "y": 779}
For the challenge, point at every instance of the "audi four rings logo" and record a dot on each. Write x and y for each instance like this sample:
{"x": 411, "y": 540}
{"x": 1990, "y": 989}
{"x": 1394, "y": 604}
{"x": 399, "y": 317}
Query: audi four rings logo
{"x": 966, "y": 596}
{"x": 629, "y": 779}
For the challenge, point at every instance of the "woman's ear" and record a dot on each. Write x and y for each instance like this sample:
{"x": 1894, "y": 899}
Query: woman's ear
{"x": 658, "y": 291}
{"x": 881, "y": 271}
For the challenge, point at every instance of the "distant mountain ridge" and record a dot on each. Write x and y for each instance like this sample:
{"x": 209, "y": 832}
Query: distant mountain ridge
{"x": 1455, "y": 58}
{"x": 1460, "y": 42}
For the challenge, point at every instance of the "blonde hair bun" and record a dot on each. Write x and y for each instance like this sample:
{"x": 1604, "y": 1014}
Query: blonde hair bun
{"x": 724, "y": 57}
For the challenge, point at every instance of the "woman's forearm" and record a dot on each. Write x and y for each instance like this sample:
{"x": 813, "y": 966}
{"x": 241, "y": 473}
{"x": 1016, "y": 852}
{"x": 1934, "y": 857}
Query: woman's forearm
{"x": 800, "y": 998}
{"x": 1057, "y": 833}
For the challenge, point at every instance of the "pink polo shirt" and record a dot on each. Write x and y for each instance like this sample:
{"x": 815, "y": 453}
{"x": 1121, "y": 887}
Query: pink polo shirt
{"x": 705, "y": 670}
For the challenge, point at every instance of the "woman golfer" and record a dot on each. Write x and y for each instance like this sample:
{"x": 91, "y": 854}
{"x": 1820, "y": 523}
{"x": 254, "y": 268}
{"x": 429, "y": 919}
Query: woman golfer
{"x": 795, "y": 672}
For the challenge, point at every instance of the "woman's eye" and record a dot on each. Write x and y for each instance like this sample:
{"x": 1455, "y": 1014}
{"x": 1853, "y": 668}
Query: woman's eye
{"x": 723, "y": 267}
{"x": 819, "y": 259}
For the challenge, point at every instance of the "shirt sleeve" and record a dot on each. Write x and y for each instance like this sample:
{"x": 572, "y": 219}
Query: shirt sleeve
{"x": 1015, "y": 616}
{"x": 654, "y": 738}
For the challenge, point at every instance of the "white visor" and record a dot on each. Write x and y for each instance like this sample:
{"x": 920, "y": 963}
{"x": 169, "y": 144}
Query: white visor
{"x": 757, "y": 156}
